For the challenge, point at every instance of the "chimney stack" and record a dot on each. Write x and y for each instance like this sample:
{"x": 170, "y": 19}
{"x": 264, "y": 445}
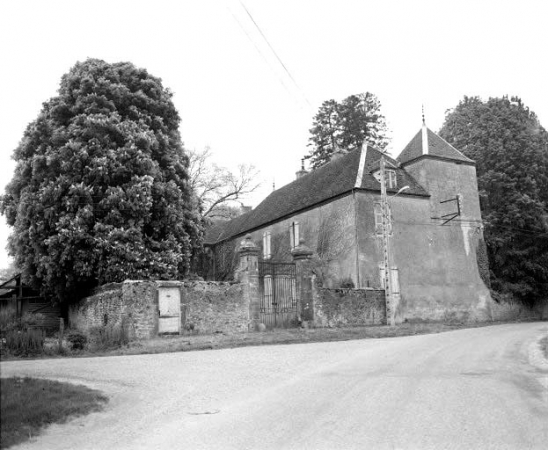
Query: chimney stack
{"x": 301, "y": 172}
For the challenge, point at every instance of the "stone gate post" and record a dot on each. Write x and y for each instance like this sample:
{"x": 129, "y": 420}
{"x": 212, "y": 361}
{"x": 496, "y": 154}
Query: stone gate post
{"x": 305, "y": 280}
{"x": 247, "y": 273}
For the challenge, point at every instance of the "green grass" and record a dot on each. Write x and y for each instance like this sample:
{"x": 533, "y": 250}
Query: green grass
{"x": 28, "y": 405}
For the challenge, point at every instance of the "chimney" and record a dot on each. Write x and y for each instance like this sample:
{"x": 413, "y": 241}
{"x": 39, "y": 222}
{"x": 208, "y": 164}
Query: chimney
{"x": 301, "y": 172}
{"x": 245, "y": 209}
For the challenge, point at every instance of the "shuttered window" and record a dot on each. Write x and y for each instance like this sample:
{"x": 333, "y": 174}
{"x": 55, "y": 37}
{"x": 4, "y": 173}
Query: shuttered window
{"x": 294, "y": 235}
{"x": 267, "y": 253}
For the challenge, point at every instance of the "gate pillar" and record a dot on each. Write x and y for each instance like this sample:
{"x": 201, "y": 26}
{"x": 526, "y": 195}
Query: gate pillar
{"x": 247, "y": 273}
{"x": 302, "y": 256}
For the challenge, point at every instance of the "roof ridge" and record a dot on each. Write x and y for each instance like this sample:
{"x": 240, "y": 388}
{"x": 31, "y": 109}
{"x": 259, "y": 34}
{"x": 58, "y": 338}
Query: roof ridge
{"x": 361, "y": 167}
{"x": 332, "y": 180}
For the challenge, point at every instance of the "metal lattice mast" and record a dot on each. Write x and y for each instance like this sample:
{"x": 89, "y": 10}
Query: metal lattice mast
{"x": 385, "y": 211}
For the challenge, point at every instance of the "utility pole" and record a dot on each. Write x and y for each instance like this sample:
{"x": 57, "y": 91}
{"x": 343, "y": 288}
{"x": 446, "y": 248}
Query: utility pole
{"x": 385, "y": 211}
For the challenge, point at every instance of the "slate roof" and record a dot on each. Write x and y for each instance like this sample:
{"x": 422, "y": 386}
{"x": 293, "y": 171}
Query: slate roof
{"x": 335, "y": 178}
{"x": 436, "y": 147}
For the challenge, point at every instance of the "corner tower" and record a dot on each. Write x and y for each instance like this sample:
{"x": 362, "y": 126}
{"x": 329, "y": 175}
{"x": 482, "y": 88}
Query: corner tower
{"x": 443, "y": 171}
{"x": 452, "y": 274}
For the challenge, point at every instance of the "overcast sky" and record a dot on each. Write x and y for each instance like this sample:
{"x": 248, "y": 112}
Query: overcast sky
{"x": 234, "y": 95}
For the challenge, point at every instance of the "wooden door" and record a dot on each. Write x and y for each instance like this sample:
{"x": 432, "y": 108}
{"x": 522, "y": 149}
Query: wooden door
{"x": 169, "y": 302}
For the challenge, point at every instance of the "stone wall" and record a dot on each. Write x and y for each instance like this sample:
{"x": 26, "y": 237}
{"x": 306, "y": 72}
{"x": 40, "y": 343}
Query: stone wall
{"x": 212, "y": 307}
{"x": 206, "y": 307}
{"x": 136, "y": 300}
{"x": 349, "y": 307}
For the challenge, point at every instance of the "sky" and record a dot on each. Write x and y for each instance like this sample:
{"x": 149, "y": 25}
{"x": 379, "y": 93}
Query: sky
{"x": 252, "y": 100}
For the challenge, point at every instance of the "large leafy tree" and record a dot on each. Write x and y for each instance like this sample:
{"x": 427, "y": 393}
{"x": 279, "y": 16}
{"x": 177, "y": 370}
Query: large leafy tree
{"x": 345, "y": 125}
{"x": 101, "y": 188}
{"x": 510, "y": 148}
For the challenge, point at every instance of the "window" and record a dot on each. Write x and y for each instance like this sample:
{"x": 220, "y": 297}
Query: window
{"x": 395, "y": 278}
{"x": 267, "y": 254}
{"x": 378, "y": 219}
{"x": 391, "y": 181}
{"x": 294, "y": 235}
{"x": 390, "y": 178}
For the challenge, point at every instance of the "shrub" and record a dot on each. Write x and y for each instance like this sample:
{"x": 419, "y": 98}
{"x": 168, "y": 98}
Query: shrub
{"x": 77, "y": 339}
{"x": 112, "y": 335}
{"x": 18, "y": 336}
{"x": 346, "y": 283}
{"x": 25, "y": 342}
{"x": 8, "y": 320}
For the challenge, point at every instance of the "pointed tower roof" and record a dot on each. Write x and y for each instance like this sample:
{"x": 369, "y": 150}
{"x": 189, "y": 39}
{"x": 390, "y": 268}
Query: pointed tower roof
{"x": 428, "y": 143}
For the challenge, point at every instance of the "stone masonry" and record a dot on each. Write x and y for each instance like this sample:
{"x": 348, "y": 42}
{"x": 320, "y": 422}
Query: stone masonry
{"x": 206, "y": 307}
{"x": 349, "y": 307}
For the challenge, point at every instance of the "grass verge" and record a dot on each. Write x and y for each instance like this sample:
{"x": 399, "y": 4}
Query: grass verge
{"x": 194, "y": 342}
{"x": 29, "y": 404}
{"x": 167, "y": 344}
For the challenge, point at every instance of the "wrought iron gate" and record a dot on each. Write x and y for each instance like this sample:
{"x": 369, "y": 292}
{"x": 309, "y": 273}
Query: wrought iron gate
{"x": 278, "y": 294}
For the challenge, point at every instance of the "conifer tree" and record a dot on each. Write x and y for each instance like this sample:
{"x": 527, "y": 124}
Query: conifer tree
{"x": 345, "y": 126}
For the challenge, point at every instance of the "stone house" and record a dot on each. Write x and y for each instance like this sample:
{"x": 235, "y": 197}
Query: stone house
{"x": 438, "y": 258}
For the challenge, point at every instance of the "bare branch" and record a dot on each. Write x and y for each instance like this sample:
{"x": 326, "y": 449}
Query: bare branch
{"x": 217, "y": 187}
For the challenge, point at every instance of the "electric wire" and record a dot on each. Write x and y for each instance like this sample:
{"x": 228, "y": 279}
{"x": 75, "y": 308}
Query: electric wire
{"x": 262, "y": 55}
{"x": 275, "y": 53}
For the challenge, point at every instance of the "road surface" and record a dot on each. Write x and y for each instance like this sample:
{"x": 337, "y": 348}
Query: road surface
{"x": 481, "y": 388}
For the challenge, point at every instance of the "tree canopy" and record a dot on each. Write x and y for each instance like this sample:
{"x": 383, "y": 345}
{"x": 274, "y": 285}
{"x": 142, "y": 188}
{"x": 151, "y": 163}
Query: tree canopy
{"x": 101, "y": 189}
{"x": 510, "y": 148}
{"x": 345, "y": 126}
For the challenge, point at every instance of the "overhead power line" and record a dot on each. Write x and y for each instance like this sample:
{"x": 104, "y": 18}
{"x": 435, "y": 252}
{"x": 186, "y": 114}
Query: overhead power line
{"x": 265, "y": 59}
{"x": 275, "y": 53}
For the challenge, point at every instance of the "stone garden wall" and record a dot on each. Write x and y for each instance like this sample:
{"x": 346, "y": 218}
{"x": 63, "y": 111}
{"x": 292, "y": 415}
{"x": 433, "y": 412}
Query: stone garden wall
{"x": 214, "y": 307}
{"x": 134, "y": 300}
{"x": 349, "y": 307}
{"x": 206, "y": 307}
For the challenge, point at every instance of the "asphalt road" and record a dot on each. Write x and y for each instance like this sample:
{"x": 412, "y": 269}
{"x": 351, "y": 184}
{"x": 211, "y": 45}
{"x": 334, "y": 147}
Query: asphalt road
{"x": 481, "y": 388}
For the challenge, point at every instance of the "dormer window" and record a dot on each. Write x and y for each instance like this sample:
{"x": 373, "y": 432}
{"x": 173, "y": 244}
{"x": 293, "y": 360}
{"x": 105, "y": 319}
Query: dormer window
{"x": 390, "y": 178}
{"x": 391, "y": 181}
